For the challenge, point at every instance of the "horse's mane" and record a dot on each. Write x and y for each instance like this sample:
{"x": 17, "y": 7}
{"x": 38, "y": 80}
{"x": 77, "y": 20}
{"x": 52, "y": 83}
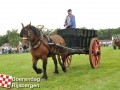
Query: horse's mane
{"x": 35, "y": 30}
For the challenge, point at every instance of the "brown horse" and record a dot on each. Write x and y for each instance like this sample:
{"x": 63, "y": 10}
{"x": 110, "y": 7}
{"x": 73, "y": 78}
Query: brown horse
{"x": 116, "y": 42}
{"x": 40, "y": 49}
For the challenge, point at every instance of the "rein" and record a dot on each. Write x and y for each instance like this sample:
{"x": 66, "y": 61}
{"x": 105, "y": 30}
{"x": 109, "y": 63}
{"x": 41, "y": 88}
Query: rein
{"x": 36, "y": 43}
{"x": 39, "y": 40}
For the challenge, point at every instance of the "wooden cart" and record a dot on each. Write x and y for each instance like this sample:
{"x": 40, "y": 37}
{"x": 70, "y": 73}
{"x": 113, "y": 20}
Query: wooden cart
{"x": 81, "y": 41}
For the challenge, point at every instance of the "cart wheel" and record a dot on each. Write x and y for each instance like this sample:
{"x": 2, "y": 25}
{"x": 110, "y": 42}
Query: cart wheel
{"x": 67, "y": 60}
{"x": 94, "y": 53}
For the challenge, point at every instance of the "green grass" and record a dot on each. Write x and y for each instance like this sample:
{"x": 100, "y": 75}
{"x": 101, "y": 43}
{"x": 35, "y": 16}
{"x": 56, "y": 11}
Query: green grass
{"x": 79, "y": 76}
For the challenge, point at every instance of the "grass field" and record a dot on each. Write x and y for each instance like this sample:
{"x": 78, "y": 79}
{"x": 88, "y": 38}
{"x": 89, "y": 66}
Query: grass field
{"x": 79, "y": 76}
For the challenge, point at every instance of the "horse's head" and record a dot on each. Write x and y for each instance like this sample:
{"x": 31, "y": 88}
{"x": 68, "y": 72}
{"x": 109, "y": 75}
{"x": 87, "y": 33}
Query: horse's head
{"x": 117, "y": 39}
{"x": 29, "y": 33}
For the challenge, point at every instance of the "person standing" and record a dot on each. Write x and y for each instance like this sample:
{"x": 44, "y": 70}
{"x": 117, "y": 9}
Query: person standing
{"x": 70, "y": 20}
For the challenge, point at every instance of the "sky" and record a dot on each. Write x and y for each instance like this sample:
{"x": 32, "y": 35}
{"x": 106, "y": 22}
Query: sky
{"x": 97, "y": 14}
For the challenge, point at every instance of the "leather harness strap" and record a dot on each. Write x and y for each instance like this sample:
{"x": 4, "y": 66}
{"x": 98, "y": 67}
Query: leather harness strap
{"x": 39, "y": 40}
{"x": 49, "y": 39}
{"x": 36, "y": 43}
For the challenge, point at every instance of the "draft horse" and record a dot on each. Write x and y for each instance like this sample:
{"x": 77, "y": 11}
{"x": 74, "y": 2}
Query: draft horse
{"x": 40, "y": 49}
{"x": 116, "y": 42}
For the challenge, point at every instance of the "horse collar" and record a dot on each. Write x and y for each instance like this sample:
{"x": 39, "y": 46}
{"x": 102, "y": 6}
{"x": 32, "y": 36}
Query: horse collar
{"x": 37, "y": 45}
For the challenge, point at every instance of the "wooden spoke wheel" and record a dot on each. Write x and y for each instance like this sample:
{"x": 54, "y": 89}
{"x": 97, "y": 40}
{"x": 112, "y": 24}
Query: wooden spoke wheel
{"x": 67, "y": 62}
{"x": 94, "y": 53}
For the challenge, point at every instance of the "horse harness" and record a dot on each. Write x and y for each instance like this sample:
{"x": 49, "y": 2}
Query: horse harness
{"x": 39, "y": 40}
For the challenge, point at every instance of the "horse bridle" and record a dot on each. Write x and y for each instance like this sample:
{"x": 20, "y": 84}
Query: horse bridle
{"x": 37, "y": 42}
{"x": 117, "y": 39}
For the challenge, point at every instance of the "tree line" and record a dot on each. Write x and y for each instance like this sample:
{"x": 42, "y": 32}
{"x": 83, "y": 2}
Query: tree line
{"x": 12, "y": 36}
{"x": 108, "y": 33}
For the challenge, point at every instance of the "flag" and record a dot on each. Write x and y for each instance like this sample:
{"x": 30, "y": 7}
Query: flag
{"x": 5, "y": 81}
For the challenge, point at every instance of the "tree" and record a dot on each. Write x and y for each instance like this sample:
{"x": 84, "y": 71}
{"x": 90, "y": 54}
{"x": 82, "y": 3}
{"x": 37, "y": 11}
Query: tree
{"x": 3, "y": 39}
{"x": 107, "y": 33}
{"x": 13, "y": 37}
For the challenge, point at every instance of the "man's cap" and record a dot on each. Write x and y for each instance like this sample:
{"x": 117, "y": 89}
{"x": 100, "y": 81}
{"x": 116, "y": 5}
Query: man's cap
{"x": 69, "y": 10}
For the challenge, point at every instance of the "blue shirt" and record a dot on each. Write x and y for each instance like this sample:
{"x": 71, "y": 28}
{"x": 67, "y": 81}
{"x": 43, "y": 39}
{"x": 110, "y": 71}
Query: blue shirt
{"x": 70, "y": 21}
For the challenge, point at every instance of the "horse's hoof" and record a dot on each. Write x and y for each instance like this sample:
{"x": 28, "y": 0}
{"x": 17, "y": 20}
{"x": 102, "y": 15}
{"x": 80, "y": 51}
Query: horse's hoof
{"x": 44, "y": 78}
{"x": 39, "y": 71}
{"x": 56, "y": 72}
{"x": 64, "y": 69}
